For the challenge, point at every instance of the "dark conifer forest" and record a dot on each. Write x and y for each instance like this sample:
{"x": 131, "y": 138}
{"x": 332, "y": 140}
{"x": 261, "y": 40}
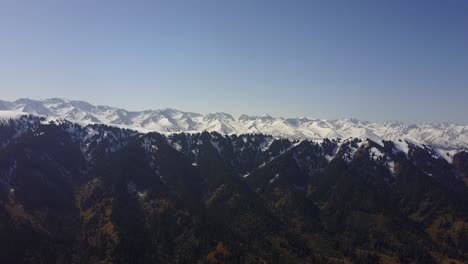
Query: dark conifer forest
{"x": 100, "y": 194}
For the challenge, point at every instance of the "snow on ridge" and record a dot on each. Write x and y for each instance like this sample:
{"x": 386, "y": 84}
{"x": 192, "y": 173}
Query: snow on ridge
{"x": 350, "y": 147}
{"x": 215, "y": 145}
{"x": 272, "y": 180}
{"x": 376, "y": 153}
{"x": 10, "y": 114}
{"x": 444, "y": 136}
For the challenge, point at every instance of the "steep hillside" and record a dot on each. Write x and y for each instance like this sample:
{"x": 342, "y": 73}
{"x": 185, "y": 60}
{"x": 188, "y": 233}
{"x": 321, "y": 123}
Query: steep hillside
{"x": 98, "y": 194}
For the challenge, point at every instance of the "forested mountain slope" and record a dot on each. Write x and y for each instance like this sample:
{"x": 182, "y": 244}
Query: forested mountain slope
{"x": 99, "y": 194}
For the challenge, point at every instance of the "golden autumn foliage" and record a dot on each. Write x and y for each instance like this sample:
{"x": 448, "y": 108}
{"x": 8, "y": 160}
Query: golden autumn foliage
{"x": 397, "y": 168}
{"x": 219, "y": 255}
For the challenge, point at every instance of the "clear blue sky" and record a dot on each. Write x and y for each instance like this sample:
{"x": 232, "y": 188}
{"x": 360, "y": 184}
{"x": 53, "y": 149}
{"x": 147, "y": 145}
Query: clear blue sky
{"x": 376, "y": 60}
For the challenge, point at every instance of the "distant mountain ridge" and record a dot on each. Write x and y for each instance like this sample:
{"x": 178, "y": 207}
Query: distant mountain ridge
{"x": 445, "y": 137}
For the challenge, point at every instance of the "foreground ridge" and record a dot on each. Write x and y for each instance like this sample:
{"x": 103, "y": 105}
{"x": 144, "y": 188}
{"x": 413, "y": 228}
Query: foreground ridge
{"x": 97, "y": 193}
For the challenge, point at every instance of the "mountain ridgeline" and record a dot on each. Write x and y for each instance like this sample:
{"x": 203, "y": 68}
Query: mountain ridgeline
{"x": 444, "y": 137}
{"x": 94, "y": 193}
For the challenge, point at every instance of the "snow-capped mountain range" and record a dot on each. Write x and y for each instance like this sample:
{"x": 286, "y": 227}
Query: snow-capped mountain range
{"x": 443, "y": 136}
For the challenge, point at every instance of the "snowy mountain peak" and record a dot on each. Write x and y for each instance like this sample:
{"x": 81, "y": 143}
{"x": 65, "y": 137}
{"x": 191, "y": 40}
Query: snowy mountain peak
{"x": 443, "y": 136}
{"x": 219, "y": 116}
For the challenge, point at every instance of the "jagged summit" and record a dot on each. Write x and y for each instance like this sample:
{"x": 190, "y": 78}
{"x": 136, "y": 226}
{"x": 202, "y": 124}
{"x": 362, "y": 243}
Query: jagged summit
{"x": 444, "y": 136}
